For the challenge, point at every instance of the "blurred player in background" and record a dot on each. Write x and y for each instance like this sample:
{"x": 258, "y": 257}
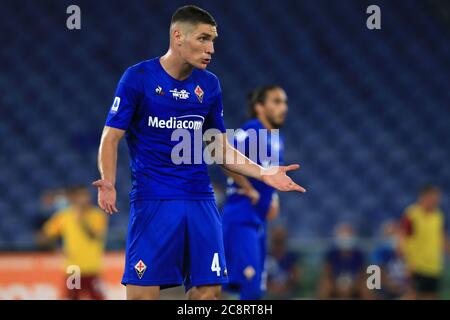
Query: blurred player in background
{"x": 388, "y": 256}
{"x": 424, "y": 241}
{"x": 51, "y": 201}
{"x": 250, "y": 203}
{"x": 175, "y": 229}
{"x": 82, "y": 228}
{"x": 343, "y": 273}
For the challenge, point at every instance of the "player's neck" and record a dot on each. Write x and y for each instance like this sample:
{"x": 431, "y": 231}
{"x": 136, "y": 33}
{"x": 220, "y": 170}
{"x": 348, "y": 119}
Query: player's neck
{"x": 427, "y": 209}
{"x": 175, "y": 66}
{"x": 266, "y": 123}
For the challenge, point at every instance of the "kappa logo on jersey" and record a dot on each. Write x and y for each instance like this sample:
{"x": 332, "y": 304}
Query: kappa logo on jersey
{"x": 199, "y": 93}
{"x": 116, "y": 104}
{"x": 159, "y": 91}
{"x": 140, "y": 268}
{"x": 183, "y": 94}
{"x": 190, "y": 121}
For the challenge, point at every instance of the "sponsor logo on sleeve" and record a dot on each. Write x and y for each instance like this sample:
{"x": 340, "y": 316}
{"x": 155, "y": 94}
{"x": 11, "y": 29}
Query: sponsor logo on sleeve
{"x": 116, "y": 104}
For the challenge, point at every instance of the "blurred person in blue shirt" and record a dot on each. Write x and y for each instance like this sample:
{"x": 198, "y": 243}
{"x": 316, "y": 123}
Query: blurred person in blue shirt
{"x": 343, "y": 272}
{"x": 387, "y": 255}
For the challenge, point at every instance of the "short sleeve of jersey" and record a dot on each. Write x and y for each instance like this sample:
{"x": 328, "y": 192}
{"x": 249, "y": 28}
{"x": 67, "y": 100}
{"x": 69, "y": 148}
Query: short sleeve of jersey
{"x": 53, "y": 227}
{"x": 214, "y": 120}
{"x": 125, "y": 101}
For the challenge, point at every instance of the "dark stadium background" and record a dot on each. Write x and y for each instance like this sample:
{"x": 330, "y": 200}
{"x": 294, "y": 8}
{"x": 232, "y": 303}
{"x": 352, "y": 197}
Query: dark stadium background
{"x": 369, "y": 117}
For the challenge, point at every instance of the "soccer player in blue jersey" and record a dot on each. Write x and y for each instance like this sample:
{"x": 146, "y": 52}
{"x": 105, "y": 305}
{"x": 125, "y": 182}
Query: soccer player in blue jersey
{"x": 175, "y": 230}
{"x": 250, "y": 202}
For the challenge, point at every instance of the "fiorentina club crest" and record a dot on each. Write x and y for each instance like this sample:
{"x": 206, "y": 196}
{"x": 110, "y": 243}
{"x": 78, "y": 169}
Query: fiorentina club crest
{"x": 199, "y": 93}
{"x": 140, "y": 268}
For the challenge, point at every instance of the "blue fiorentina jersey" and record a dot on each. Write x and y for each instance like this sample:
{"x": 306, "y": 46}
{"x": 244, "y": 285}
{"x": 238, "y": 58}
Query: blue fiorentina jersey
{"x": 150, "y": 105}
{"x": 268, "y": 144}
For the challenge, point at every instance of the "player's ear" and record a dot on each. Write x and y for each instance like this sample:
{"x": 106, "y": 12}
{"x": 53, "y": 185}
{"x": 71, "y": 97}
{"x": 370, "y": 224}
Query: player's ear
{"x": 258, "y": 108}
{"x": 176, "y": 35}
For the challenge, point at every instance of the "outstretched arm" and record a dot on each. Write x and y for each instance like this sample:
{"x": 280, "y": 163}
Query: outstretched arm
{"x": 234, "y": 161}
{"x": 107, "y": 164}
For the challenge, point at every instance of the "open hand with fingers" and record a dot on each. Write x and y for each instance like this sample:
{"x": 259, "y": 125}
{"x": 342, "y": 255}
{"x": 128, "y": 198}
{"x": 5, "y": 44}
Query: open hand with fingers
{"x": 277, "y": 178}
{"x": 106, "y": 195}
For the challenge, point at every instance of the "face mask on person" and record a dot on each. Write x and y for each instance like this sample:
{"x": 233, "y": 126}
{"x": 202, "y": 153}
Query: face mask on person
{"x": 345, "y": 243}
{"x": 60, "y": 203}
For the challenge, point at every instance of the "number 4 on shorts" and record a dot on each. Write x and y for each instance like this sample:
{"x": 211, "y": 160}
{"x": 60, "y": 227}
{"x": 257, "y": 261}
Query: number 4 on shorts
{"x": 215, "y": 266}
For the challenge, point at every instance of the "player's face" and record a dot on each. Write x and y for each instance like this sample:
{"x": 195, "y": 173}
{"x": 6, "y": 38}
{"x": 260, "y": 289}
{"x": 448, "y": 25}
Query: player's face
{"x": 275, "y": 107}
{"x": 81, "y": 198}
{"x": 197, "y": 45}
{"x": 430, "y": 200}
{"x": 345, "y": 239}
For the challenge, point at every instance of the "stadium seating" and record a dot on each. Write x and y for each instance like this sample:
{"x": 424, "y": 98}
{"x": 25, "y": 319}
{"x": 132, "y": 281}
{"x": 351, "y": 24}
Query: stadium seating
{"x": 369, "y": 110}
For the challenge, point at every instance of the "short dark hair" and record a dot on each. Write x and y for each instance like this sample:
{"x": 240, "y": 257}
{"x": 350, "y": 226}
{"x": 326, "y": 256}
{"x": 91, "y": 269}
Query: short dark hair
{"x": 194, "y": 15}
{"x": 259, "y": 95}
{"x": 77, "y": 188}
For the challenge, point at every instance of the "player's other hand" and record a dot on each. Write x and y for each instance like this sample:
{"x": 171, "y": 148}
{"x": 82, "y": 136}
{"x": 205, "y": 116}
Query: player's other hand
{"x": 277, "y": 178}
{"x": 252, "y": 193}
{"x": 106, "y": 195}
